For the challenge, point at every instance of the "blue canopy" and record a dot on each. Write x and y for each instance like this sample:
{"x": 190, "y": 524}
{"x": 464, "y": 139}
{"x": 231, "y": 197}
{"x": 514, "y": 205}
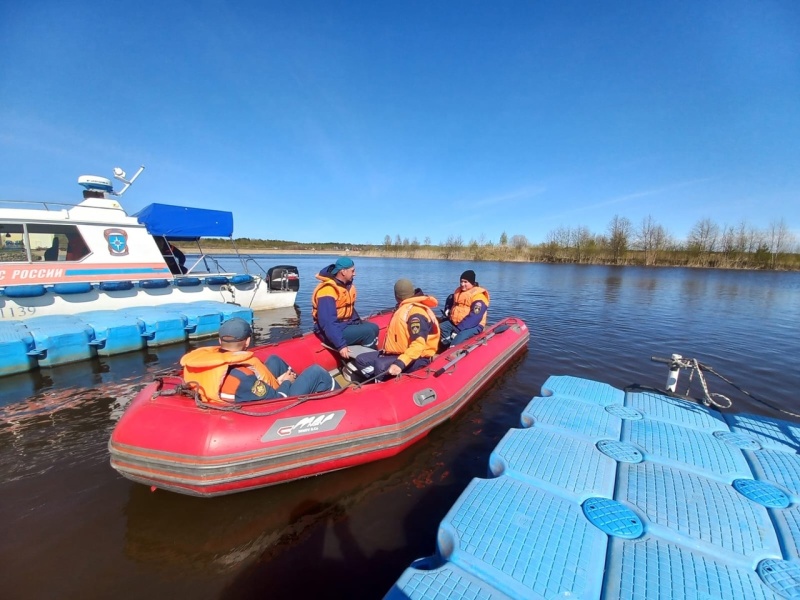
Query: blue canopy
{"x": 184, "y": 223}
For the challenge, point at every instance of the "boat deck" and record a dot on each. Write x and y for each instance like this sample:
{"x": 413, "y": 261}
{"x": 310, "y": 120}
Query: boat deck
{"x": 612, "y": 494}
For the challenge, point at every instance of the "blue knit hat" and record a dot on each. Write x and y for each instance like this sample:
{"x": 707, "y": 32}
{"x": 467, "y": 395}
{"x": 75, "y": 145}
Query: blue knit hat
{"x": 342, "y": 263}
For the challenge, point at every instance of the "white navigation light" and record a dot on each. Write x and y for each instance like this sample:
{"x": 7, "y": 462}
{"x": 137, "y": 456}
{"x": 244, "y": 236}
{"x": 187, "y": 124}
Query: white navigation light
{"x": 119, "y": 173}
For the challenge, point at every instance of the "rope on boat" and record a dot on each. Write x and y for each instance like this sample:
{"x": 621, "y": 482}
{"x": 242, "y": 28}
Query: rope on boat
{"x": 462, "y": 352}
{"x": 191, "y": 389}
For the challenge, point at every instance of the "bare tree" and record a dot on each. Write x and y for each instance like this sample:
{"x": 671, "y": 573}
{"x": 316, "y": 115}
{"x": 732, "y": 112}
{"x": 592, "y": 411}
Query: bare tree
{"x": 619, "y": 237}
{"x": 452, "y": 246}
{"x": 557, "y": 244}
{"x": 581, "y": 241}
{"x": 780, "y": 239}
{"x": 476, "y": 251}
{"x": 651, "y": 238}
{"x": 703, "y": 240}
{"x": 519, "y": 242}
{"x": 731, "y": 251}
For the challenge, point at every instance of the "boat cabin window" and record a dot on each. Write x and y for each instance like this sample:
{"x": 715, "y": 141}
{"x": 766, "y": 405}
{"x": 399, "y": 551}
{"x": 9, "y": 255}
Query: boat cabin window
{"x": 47, "y": 242}
{"x": 12, "y": 243}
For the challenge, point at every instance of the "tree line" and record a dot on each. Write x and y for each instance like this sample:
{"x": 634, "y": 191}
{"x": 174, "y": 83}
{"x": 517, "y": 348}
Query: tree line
{"x": 623, "y": 243}
{"x": 647, "y": 243}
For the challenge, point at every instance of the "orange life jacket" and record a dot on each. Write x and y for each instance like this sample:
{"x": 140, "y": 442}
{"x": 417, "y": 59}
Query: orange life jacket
{"x": 397, "y": 336}
{"x": 345, "y": 298}
{"x": 205, "y": 370}
{"x": 462, "y": 303}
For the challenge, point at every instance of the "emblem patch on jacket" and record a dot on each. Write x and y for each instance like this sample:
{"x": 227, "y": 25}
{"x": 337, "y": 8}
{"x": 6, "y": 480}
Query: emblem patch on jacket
{"x": 259, "y": 388}
{"x": 414, "y": 325}
{"x": 478, "y": 307}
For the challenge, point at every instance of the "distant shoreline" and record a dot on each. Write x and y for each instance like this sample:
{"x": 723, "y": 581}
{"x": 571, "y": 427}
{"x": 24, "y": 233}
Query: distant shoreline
{"x": 789, "y": 262}
{"x": 267, "y": 251}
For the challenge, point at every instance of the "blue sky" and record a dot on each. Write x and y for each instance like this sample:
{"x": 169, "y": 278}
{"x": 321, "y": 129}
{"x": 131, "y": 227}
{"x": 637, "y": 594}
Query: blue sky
{"x": 350, "y": 120}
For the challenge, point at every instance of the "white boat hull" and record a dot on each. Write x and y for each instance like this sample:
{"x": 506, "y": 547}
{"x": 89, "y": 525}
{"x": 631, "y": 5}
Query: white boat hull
{"x": 254, "y": 295}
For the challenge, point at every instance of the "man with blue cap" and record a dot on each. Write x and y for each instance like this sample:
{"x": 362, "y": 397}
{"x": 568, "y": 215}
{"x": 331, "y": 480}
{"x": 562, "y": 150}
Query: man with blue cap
{"x": 231, "y": 373}
{"x": 333, "y": 307}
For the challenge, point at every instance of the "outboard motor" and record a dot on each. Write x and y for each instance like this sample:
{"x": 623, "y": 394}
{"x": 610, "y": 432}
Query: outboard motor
{"x": 284, "y": 278}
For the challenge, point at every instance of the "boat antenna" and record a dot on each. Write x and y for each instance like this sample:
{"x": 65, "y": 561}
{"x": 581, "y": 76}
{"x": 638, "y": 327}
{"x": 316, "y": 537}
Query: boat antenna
{"x": 120, "y": 174}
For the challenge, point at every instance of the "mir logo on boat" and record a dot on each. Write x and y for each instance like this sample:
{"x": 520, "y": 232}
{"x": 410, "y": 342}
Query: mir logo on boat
{"x": 296, "y": 426}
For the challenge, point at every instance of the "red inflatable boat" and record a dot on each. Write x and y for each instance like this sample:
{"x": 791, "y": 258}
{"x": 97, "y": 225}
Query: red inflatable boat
{"x": 170, "y": 440}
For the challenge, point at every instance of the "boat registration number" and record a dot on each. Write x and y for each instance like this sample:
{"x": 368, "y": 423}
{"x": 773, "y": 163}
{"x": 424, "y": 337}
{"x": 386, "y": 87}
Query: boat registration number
{"x": 17, "y": 312}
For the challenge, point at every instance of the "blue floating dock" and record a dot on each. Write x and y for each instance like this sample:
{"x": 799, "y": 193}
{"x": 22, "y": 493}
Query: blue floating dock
{"x": 228, "y": 311}
{"x": 16, "y": 342}
{"x": 201, "y": 320}
{"x": 627, "y": 495}
{"x": 60, "y": 339}
{"x": 159, "y": 326}
{"x": 115, "y": 331}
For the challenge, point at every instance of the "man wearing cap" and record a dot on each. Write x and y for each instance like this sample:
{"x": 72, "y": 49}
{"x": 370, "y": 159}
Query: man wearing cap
{"x": 231, "y": 373}
{"x": 411, "y": 339}
{"x": 466, "y": 310}
{"x": 333, "y": 308}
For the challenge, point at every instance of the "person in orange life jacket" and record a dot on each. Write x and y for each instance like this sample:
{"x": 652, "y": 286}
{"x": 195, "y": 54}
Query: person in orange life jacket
{"x": 465, "y": 310}
{"x": 411, "y": 339}
{"x": 333, "y": 308}
{"x": 240, "y": 377}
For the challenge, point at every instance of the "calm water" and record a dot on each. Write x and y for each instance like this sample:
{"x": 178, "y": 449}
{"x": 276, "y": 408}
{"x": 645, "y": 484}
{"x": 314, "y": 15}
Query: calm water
{"x": 72, "y": 528}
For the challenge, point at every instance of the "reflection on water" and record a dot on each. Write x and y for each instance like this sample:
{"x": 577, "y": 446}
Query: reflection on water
{"x": 351, "y": 533}
{"x": 161, "y": 528}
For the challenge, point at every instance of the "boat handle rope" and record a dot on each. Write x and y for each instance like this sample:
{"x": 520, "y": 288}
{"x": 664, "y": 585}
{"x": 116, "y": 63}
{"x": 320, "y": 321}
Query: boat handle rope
{"x": 677, "y": 362}
{"x": 237, "y": 408}
{"x": 190, "y": 389}
{"x": 466, "y": 350}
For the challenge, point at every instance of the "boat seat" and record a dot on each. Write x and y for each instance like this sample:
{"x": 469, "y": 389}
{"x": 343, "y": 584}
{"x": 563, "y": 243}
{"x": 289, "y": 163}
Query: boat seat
{"x": 348, "y": 368}
{"x": 354, "y": 350}
{"x": 357, "y": 350}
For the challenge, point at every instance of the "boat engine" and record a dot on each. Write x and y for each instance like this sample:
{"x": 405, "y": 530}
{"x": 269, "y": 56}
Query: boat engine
{"x": 284, "y": 278}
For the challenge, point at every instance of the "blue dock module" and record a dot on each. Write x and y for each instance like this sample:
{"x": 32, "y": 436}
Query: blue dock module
{"x": 115, "y": 331}
{"x": 202, "y": 319}
{"x": 60, "y": 339}
{"x": 228, "y": 311}
{"x": 16, "y": 345}
{"x": 605, "y": 494}
{"x": 159, "y": 326}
